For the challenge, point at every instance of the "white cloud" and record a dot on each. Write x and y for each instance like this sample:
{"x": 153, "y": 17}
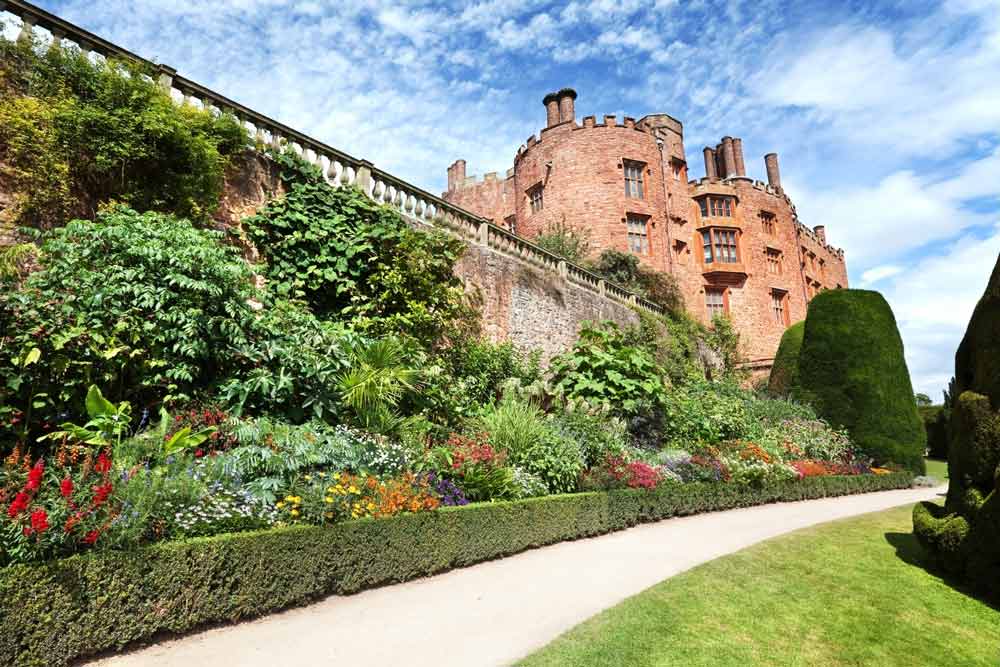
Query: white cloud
{"x": 902, "y": 212}
{"x": 933, "y": 301}
{"x": 878, "y": 274}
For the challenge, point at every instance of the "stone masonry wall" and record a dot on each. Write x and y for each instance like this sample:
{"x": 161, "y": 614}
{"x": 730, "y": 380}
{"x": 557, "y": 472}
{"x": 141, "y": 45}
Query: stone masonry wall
{"x": 532, "y": 308}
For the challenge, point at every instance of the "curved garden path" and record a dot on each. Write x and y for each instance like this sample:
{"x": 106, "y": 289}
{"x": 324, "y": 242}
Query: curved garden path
{"x": 497, "y": 612}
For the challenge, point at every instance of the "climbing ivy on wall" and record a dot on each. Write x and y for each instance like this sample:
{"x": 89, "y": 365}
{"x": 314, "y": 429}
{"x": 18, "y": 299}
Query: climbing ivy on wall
{"x": 353, "y": 260}
{"x": 75, "y": 134}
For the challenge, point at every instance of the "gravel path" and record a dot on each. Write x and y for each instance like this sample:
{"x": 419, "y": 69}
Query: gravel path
{"x": 497, "y": 612}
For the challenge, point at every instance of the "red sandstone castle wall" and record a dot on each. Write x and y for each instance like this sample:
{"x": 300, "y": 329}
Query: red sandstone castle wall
{"x": 580, "y": 168}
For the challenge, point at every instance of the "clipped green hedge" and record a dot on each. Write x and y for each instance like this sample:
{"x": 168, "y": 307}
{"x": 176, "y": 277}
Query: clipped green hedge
{"x": 55, "y": 612}
{"x": 785, "y": 371}
{"x": 852, "y": 370}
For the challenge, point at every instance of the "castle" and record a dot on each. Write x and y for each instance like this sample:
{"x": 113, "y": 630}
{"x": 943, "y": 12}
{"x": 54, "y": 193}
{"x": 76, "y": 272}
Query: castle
{"x": 734, "y": 245}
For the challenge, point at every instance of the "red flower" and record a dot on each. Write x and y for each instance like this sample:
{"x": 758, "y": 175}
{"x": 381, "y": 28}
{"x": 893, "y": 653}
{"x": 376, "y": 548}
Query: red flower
{"x": 66, "y": 488}
{"x": 19, "y": 505}
{"x": 103, "y": 463}
{"x": 101, "y": 493}
{"x": 198, "y": 453}
{"x": 39, "y": 521}
{"x": 35, "y": 476}
{"x": 91, "y": 537}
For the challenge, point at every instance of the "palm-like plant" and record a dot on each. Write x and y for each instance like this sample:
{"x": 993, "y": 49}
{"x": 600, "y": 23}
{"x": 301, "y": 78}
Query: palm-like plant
{"x": 377, "y": 381}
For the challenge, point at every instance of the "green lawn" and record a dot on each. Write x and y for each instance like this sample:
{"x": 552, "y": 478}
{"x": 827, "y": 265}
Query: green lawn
{"x": 937, "y": 468}
{"x": 844, "y": 593}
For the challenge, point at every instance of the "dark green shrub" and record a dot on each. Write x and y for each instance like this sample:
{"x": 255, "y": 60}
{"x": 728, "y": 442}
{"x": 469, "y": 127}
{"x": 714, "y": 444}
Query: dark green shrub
{"x": 964, "y": 536}
{"x": 74, "y": 135}
{"x": 571, "y": 243}
{"x": 785, "y": 371}
{"x": 51, "y": 614}
{"x": 852, "y": 370}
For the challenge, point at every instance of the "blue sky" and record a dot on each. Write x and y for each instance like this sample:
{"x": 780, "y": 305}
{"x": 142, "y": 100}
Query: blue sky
{"x": 886, "y": 115}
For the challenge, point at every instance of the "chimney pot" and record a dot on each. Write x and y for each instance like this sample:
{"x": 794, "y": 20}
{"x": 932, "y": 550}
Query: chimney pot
{"x": 567, "y": 106}
{"x": 820, "y": 231}
{"x": 551, "y": 102}
{"x": 728, "y": 158}
{"x": 710, "y": 171}
{"x": 738, "y": 157}
{"x": 773, "y": 173}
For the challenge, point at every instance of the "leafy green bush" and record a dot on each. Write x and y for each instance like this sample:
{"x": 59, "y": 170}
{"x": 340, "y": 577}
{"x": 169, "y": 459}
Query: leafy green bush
{"x": 570, "y": 243}
{"x": 785, "y": 371}
{"x": 48, "y": 612}
{"x": 935, "y": 418}
{"x": 852, "y": 370}
{"x": 290, "y": 363}
{"x": 598, "y": 433}
{"x": 145, "y": 305}
{"x": 533, "y": 444}
{"x": 705, "y": 412}
{"x": 75, "y": 134}
{"x": 356, "y": 261}
{"x": 603, "y": 368}
{"x": 623, "y": 269}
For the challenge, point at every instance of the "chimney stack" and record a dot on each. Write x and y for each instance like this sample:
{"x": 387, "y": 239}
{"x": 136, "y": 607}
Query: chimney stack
{"x": 459, "y": 174}
{"x": 773, "y": 174}
{"x": 451, "y": 178}
{"x": 728, "y": 158}
{"x": 567, "y": 107}
{"x": 551, "y": 102}
{"x": 710, "y": 171}
{"x": 738, "y": 155}
{"x": 820, "y": 232}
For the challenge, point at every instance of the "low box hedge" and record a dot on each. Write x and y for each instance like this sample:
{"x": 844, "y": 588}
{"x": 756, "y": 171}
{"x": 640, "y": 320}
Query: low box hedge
{"x": 52, "y": 613}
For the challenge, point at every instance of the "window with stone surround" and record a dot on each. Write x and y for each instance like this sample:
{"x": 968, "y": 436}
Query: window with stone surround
{"x": 633, "y": 178}
{"x": 536, "y": 199}
{"x": 767, "y": 222}
{"x": 779, "y": 300}
{"x": 720, "y": 245}
{"x": 716, "y": 207}
{"x": 638, "y": 234}
{"x": 677, "y": 169}
{"x": 774, "y": 261}
{"x": 716, "y": 302}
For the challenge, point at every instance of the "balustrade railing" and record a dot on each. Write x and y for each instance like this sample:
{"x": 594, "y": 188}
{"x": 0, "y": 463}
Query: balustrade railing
{"x": 340, "y": 169}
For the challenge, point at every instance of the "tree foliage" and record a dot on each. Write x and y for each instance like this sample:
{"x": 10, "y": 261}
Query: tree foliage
{"x": 75, "y": 134}
{"x": 623, "y": 269}
{"x": 785, "y": 371}
{"x": 355, "y": 261}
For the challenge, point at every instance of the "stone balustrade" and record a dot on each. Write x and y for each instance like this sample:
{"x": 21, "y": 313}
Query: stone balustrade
{"x": 340, "y": 169}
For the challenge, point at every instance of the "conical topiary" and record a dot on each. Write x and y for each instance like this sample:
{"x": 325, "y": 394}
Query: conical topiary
{"x": 851, "y": 368}
{"x": 964, "y": 535}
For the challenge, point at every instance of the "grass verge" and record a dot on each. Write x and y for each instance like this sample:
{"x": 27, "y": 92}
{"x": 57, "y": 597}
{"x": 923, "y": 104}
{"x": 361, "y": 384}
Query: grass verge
{"x": 852, "y": 592}
{"x": 936, "y": 468}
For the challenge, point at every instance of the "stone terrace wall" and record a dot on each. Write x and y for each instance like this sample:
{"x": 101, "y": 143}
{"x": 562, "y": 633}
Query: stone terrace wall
{"x": 533, "y": 308}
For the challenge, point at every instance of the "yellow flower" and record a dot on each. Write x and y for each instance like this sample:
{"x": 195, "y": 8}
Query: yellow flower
{"x": 328, "y": 499}
{"x": 295, "y": 512}
{"x": 297, "y": 499}
{"x": 371, "y": 506}
{"x": 280, "y": 504}
{"x": 336, "y": 475}
{"x": 322, "y": 474}
{"x": 289, "y": 499}
{"x": 329, "y": 515}
{"x": 309, "y": 478}
{"x": 353, "y": 489}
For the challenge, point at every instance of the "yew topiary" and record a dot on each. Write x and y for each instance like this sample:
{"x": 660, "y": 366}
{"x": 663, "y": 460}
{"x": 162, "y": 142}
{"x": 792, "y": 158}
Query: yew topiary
{"x": 851, "y": 368}
{"x": 785, "y": 371}
{"x": 963, "y": 537}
